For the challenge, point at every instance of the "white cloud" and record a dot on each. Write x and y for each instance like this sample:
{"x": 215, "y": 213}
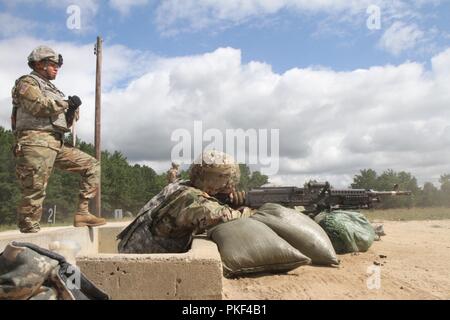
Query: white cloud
{"x": 124, "y": 6}
{"x": 403, "y": 22}
{"x": 12, "y": 25}
{"x": 201, "y": 14}
{"x": 88, "y": 11}
{"x": 332, "y": 124}
{"x": 400, "y": 37}
{"x": 89, "y": 5}
{"x": 76, "y": 77}
{"x": 175, "y": 16}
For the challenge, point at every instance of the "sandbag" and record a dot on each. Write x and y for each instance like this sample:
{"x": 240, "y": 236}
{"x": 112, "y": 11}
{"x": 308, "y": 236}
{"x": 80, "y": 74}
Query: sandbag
{"x": 247, "y": 246}
{"x": 349, "y": 231}
{"x": 300, "y": 231}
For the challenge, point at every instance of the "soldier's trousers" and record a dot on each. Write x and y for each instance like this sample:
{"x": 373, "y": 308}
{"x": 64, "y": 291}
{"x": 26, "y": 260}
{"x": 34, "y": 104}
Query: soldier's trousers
{"x": 36, "y": 154}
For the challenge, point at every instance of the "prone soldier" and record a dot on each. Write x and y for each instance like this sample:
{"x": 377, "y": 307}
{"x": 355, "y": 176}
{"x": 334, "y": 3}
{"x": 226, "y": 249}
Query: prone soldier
{"x": 168, "y": 222}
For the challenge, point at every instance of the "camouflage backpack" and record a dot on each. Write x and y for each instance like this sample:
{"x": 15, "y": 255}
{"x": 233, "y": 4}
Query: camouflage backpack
{"x": 30, "y": 272}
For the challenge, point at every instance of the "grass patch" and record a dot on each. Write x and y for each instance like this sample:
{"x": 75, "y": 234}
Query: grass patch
{"x": 438, "y": 213}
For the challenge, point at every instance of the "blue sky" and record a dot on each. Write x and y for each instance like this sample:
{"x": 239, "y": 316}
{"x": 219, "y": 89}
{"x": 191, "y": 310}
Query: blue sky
{"x": 290, "y": 37}
{"x": 343, "y": 97}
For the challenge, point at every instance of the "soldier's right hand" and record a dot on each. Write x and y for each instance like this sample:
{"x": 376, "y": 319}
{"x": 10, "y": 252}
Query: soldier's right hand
{"x": 74, "y": 102}
{"x": 237, "y": 198}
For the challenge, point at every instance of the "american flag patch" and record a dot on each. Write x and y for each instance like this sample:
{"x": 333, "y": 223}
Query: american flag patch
{"x": 23, "y": 88}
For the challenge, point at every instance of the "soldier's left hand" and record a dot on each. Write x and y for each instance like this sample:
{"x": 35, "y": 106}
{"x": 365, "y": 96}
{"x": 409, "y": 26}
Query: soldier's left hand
{"x": 74, "y": 102}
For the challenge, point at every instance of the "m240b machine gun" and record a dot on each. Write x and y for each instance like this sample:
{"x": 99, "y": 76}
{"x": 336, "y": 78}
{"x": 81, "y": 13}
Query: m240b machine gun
{"x": 316, "y": 197}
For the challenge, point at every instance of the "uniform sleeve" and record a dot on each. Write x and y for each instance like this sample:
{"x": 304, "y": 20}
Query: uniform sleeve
{"x": 31, "y": 98}
{"x": 205, "y": 213}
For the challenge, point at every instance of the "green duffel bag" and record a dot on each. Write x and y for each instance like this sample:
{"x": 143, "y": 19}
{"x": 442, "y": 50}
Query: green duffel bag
{"x": 300, "y": 231}
{"x": 247, "y": 246}
{"x": 349, "y": 231}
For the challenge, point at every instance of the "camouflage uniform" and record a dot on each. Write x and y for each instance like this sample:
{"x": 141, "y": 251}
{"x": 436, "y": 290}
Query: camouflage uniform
{"x": 39, "y": 123}
{"x": 169, "y": 220}
{"x": 172, "y": 174}
{"x": 30, "y": 272}
{"x": 167, "y": 223}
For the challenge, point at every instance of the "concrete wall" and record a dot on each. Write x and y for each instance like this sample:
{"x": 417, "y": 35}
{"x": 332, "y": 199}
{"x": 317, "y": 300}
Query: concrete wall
{"x": 196, "y": 274}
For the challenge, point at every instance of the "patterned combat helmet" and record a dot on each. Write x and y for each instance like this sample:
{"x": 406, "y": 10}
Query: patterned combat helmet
{"x": 44, "y": 53}
{"x": 214, "y": 172}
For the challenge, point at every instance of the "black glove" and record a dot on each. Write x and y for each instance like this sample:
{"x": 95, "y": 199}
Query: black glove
{"x": 237, "y": 198}
{"x": 74, "y": 102}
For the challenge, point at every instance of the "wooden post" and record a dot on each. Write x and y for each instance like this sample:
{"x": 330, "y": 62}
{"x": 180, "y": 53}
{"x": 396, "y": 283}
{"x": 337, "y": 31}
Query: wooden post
{"x": 98, "y": 96}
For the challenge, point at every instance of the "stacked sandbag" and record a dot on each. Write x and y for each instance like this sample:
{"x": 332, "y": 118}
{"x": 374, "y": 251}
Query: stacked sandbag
{"x": 248, "y": 246}
{"x": 349, "y": 231}
{"x": 300, "y": 231}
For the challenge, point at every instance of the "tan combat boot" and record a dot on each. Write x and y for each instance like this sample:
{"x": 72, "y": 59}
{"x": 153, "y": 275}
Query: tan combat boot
{"x": 26, "y": 226}
{"x": 28, "y": 221}
{"x": 84, "y": 219}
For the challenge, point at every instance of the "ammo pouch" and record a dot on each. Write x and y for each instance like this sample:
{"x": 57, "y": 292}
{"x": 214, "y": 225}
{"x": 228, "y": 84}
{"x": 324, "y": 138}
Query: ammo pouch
{"x": 30, "y": 272}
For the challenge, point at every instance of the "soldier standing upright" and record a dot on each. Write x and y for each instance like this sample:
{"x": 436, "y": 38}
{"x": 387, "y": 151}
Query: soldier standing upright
{"x": 40, "y": 118}
{"x": 173, "y": 174}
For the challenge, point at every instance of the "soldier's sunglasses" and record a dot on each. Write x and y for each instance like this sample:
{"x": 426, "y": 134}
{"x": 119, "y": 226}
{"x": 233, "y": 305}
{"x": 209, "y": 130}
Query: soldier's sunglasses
{"x": 53, "y": 64}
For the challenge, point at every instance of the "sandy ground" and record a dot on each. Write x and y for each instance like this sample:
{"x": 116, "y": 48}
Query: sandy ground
{"x": 412, "y": 261}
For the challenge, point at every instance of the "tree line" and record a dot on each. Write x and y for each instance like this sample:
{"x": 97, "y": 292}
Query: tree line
{"x": 129, "y": 187}
{"x": 427, "y": 196}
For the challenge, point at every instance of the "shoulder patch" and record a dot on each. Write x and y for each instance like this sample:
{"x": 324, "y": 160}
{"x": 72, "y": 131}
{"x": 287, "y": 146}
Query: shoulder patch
{"x": 23, "y": 88}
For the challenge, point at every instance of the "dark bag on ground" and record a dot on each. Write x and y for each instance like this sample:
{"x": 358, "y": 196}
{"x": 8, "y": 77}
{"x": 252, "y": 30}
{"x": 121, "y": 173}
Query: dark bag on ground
{"x": 30, "y": 272}
{"x": 349, "y": 231}
{"x": 300, "y": 231}
{"x": 247, "y": 246}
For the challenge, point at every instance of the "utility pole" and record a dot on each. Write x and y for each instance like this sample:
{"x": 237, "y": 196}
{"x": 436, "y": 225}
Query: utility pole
{"x": 98, "y": 104}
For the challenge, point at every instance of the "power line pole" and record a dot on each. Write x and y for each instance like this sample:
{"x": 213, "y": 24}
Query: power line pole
{"x": 98, "y": 103}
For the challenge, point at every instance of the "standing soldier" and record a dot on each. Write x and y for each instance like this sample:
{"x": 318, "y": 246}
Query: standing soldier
{"x": 172, "y": 174}
{"x": 40, "y": 118}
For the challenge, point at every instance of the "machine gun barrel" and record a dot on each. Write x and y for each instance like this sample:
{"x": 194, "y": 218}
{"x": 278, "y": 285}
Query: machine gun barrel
{"x": 318, "y": 196}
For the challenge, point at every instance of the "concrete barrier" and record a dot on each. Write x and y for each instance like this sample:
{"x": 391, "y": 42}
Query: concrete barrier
{"x": 196, "y": 274}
